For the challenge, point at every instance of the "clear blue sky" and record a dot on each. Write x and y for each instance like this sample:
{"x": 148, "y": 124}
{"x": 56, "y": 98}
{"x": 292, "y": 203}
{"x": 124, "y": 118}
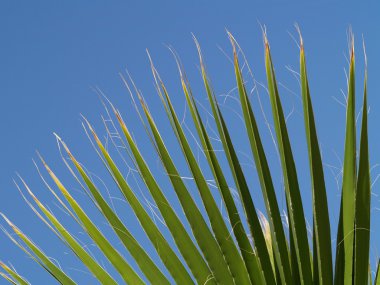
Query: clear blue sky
{"x": 53, "y": 53}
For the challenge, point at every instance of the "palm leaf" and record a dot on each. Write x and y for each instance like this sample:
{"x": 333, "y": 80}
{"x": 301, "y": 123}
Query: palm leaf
{"x": 120, "y": 264}
{"x": 280, "y": 245}
{"x": 183, "y": 240}
{"x": 166, "y": 253}
{"x": 38, "y": 255}
{"x": 9, "y": 279}
{"x": 201, "y": 231}
{"x": 250, "y": 257}
{"x": 219, "y": 226}
{"x": 345, "y": 242}
{"x": 363, "y": 203}
{"x": 206, "y": 247}
{"x": 148, "y": 267}
{"x": 293, "y": 196}
{"x": 98, "y": 271}
{"x": 321, "y": 221}
{"x": 12, "y": 272}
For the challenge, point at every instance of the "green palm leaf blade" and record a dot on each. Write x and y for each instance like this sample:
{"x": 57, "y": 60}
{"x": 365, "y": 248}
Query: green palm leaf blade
{"x": 278, "y": 277}
{"x": 339, "y": 251}
{"x": 321, "y": 219}
{"x": 363, "y": 203}
{"x": 119, "y": 263}
{"x": 346, "y": 241}
{"x": 293, "y": 258}
{"x": 185, "y": 245}
{"x": 206, "y": 241}
{"x": 19, "y": 279}
{"x": 344, "y": 246}
{"x": 263, "y": 255}
{"x": 249, "y": 255}
{"x": 38, "y": 255}
{"x": 222, "y": 234}
{"x": 145, "y": 263}
{"x": 7, "y": 278}
{"x": 274, "y": 217}
{"x": 206, "y": 246}
{"x": 315, "y": 258}
{"x": 97, "y": 270}
{"x": 251, "y": 214}
{"x": 218, "y": 224}
{"x": 292, "y": 191}
{"x": 166, "y": 253}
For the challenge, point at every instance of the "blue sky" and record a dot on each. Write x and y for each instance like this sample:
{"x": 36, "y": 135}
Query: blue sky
{"x": 54, "y": 53}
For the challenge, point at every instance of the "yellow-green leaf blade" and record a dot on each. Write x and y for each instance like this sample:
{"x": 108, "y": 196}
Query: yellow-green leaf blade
{"x": 166, "y": 253}
{"x": 8, "y": 279}
{"x": 120, "y": 264}
{"x": 143, "y": 260}
{"x": 185, "y": 245}
{"x": 349, "y": 177}
{"x": 97, "y": 270}
{"x": 20, "y": 280}
{"x": 39, "y": 256}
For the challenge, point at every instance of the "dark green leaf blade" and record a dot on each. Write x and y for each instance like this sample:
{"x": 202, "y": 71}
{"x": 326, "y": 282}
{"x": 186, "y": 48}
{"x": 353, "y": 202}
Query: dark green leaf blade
{"x": 363, "y": 203}
{"x": 292, "y": 191}
{"x": 218, "y": 224}
{"x": 320, "y": 207}
{"x": 249, "y": 255}
{"x": 339, "y": 251}
{"x": 281, "y": 251}
{"x": 206, "y": 241}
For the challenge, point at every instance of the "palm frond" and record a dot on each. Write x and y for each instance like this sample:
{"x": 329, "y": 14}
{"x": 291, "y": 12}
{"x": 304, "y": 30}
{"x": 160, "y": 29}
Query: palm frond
{"x": 228, "y": 243}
